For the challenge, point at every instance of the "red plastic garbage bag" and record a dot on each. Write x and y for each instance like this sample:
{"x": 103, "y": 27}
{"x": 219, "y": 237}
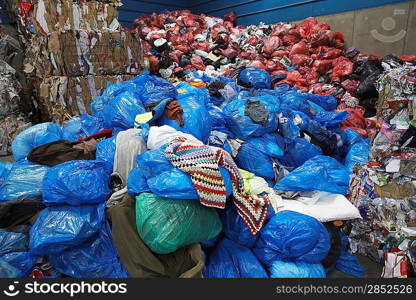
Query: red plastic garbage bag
{"x": 329, "y": 52}
{"x": 323, "y": 89}
{"x": 280, "y": 53}
{"x": 154, "y": 63}
{"x": 300, "y": 59}
{"x": 258, "y": 64}
{"x": 204, "y": 46}
{"x": 339, "y": 41}
{"x": 189, "y": 21}
{"x": 253, "y": 41}
{"x": 271, "y": 44}
{"x": 290, "y": 39}
{"x": 350, "y": 85}
{"x": 296, "y": 79}
{"x": 364, "y": 57}
{"x": 357, "y": 122}
{"x": 197, "y": 62}
{"x": 176, "y": 55}
{"x": 300, "y": 48}
{"x": 310, "y": 75}
{"x": 408, "y": 57}
{"x": 231, "y": 17}
{"x": 229, "y": 53}
{"x": 310, "y": 27}
{"x": 322, "y": 38}
{"x": 342, "y": 67}
{"x": 185, "y": 48}
{"x": 322, "y": 66}
{"x": 189, "y": 37}
{"x": 273, "y": 65}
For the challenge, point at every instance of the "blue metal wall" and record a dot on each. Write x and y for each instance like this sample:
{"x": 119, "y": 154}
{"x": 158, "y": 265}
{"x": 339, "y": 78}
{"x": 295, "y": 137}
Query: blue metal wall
{"x": 250, "y": 11}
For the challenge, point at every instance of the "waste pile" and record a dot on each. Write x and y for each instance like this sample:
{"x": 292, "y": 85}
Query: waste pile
{"x": 13, "y": 117}
{"x": 183, "y": 180}
{"x": 384, "y": 189}
{"x": 307, "y": 55}
{"x": 73, "y": 49}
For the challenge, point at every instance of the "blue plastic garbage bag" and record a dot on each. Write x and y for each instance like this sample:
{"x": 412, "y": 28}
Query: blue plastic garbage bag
{"x": 77, "y": 182}
{"x": 7, "y": 270}
{"x": 154, "y": 89}
{"x": 12, "y": 242}
{"x": 82, "y": 126}
{"x": 329, "y": 103}
{"x": 17, "y": 264}
{"x": 348, "y": 263}
{"x": 331, "y": 119}
{"x": 210, "y": 243}
{"x": 291, "y": 236}
{"x": 231, "y": 260}
{"x": 196, "y": 118}
{"x": 357, "y": 154}
{"x": 256, "y": 154}
{"x": 282, "y": 269}
{"x": 328, "y": 140}
{"x": 293, "y": 100}
{"x": 357, "y": 149}
{"x": 235, "y": 229}
{"x": 112, "y": 90}
{"x": 186, "y": 90}
{"x": 258, "y": 78}
{"x": 320, "y": 173}
{"x": 163, "y": 179}
{"x": 95, "y": 258}
{"x": 4, "y": 171}
{"x": 218, "y": 119}
{"x": 35, "y": 136}
{"x": 242, "y": 125}
{"x": 137, "y": 182}
{"x": 297, "y": 152}
{"x": 287, "y": 128}
{"x": 60, "y": 227}
{"x": 24, "y": 180}
{"x": 106, "y": 149}
{"x": 121, "y": 111}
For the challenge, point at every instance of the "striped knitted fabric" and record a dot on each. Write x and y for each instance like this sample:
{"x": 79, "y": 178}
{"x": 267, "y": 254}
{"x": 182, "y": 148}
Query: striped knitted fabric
{"x": 202, "y": 164}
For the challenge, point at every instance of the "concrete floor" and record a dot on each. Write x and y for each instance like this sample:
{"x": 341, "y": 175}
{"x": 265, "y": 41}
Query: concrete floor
{"x": 372, "y": 269}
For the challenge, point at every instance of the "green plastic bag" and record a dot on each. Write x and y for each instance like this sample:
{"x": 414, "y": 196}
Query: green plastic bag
{"x": 167, "y": 224}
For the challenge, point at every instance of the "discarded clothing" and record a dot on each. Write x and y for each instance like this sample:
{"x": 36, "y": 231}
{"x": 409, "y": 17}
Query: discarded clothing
{"x": 201, "y": 163}
{"x": 138, "y": 259}
{"x": 58, "y": 152}
{"x": 128, "y": 145}
{"x": 19, "y": 212}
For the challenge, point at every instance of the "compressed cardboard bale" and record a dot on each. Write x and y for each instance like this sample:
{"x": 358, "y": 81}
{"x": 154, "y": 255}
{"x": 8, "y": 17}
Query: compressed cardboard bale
{"x": 47, "y": 16}
{"x": 61, "y": 97}
{"x": 82, "y": 52}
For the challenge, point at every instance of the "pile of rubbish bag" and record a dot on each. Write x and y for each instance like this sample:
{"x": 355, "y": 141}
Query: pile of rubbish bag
{"x": 307, "y": 55}
{"x": 384, "y": 188}
{"x": 168, "y": 180}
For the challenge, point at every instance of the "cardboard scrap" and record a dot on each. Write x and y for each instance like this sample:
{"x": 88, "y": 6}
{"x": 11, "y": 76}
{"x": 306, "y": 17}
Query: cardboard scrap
{"x": 48, "y": 16}
{"x": 395, "y": 191}
{"x": 62, "y": 97}
{"x": 81, "y": 52}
